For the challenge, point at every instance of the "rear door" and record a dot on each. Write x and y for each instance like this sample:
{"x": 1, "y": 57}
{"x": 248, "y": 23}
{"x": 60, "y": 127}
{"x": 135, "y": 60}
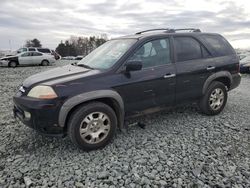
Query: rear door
{"x": 193, "y": 66}
{"x": 154, "y": 85}
{"x": 37, "y": 57}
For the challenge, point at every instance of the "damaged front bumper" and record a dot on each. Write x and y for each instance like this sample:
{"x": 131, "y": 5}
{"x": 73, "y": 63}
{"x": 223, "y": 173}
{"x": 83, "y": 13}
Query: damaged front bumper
{"x": 4, "y": 62}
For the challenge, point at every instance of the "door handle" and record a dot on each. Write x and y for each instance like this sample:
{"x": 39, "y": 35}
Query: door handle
{"x": 210, "y": 68}
{"x": 169, "y": 76}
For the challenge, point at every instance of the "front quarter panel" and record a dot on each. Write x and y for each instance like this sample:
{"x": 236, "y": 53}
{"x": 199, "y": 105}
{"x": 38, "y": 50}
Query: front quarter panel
{"x": 88, "y": 96}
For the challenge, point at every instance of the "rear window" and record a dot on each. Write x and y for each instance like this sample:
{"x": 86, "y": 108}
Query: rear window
{"x": 219, "y": 44}
{"x": 43, "y": 50}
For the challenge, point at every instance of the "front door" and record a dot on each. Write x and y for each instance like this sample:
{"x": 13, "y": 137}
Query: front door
{"x": 25, "y": 58}
{"x": 152, "y": 86}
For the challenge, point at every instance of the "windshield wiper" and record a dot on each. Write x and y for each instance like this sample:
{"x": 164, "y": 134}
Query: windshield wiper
{"x": 82, "y": 65}
{"x": 85, "y": 66}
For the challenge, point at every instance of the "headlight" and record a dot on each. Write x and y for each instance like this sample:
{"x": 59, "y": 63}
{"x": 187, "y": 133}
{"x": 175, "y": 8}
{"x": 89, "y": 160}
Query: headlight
{"x": 42, "y": 92}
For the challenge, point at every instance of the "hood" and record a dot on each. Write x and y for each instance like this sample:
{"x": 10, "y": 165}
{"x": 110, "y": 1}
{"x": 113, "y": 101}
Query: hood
{"x": 59, "y": 75}
{"x": 8, "y": 57}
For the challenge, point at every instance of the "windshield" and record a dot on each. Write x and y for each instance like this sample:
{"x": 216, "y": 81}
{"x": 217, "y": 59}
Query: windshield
{"x": 107, "y": 54}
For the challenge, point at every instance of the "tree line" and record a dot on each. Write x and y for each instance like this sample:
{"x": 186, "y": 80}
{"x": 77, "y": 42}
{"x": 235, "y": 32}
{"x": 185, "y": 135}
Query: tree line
{"x": 79, "y": 45}
{"x": 74, "y": 45}
{"x": 33, "y": 43}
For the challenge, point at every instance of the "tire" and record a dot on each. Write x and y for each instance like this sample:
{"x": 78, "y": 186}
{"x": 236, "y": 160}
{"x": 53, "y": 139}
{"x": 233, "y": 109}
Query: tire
{"x": 96, "y": 132}
{"x": 12, "y": 64}
{"x": 214, "y": 100}
{"x": 45, "y": 63}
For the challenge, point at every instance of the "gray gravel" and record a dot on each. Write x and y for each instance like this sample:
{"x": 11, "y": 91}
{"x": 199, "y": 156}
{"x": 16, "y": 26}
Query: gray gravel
{"x": 178, "y": 148}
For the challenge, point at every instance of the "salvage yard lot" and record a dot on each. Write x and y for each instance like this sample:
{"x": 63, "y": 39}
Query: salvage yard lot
{"x": 178, "y": 147}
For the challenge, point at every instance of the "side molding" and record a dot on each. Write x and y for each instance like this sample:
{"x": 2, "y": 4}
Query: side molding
{"x": 215, "y": 76}
{"x": 84, "y": 97}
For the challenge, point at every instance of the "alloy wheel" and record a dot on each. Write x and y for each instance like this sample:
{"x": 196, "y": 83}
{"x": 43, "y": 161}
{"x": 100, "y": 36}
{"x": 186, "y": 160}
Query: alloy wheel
{"x": 216, "y": 99}
{"x": 95, "y": 127}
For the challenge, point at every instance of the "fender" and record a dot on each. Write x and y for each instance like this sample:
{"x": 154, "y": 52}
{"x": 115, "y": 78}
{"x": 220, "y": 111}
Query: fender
{"x": 84, "y": 97}
{"x": 214, "y": 77}
{"x": 11, "y": 58}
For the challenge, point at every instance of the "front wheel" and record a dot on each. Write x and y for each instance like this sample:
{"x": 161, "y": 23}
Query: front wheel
{"x": 214, "y": 100}
{"x": 12, "y": 64}
{"x": 92, "y": 126}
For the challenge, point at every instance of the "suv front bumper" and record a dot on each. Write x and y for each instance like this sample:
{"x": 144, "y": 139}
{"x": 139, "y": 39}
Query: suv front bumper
{"x": 41, "y": 115}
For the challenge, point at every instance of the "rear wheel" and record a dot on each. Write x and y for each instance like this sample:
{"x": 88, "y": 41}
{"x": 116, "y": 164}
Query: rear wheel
{"x": 92, "y": 126}
{"x": 12, "y": 64}
{"x": 45, "y": 63}
{"x": 214, "y": 100}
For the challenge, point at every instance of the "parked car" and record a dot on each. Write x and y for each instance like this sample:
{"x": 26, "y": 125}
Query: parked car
{"x": 241, "y": 56}
{"x": 27, "y": 58}
{"x": 43, "y": 50}
{"x": 126, "y": 77}
{"x": 79, "y": 57}
{"x": 68, "y": 58}
{"x": 245, "y": 65}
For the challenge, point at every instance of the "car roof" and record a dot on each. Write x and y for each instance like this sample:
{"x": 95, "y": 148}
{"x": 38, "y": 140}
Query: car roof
{"x": 30, "y": 52}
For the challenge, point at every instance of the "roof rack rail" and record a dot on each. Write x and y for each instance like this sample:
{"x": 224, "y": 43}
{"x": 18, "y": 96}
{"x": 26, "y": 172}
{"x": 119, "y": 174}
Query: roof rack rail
{"x": 160, "y": 29}
{"x": 188, "y": 29}
{"x": 168, "y": 30}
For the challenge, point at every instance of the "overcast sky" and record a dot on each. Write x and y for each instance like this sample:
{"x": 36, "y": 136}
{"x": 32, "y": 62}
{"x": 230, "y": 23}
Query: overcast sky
{"x": 52, "y": 21}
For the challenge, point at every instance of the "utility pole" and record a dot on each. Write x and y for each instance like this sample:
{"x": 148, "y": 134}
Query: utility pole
{"x": 10, "y": 45}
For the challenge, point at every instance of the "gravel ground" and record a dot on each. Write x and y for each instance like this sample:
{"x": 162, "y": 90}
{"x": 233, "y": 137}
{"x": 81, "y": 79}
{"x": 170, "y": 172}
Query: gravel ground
{"x": 178, "y": 148}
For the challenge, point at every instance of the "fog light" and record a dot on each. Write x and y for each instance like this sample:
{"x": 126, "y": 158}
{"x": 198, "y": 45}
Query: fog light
{"x": 27, "y": 115}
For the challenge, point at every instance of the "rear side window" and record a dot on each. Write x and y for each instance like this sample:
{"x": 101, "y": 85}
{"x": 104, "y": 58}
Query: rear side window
{"x": 32, "y": 49}
{"x": 43, "y": 50}
{"x": 187, "y": 48}
{"x": 219, "y": 44}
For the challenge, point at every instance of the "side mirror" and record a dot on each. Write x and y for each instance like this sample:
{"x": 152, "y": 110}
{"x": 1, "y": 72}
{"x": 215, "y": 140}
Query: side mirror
{"x": 133, "y": 65}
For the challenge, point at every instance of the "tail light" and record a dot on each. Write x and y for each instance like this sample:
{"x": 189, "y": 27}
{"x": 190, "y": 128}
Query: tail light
{"x": 238, "y": 67}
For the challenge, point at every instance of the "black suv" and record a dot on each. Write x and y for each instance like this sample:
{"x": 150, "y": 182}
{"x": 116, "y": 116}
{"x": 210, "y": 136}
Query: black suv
{"x": 129, "y": 76}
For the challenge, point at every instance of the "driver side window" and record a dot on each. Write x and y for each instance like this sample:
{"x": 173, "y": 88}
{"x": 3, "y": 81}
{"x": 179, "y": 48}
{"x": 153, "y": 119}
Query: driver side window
{"x": 26, "y": 54}
{"x": 153, "y": 53}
